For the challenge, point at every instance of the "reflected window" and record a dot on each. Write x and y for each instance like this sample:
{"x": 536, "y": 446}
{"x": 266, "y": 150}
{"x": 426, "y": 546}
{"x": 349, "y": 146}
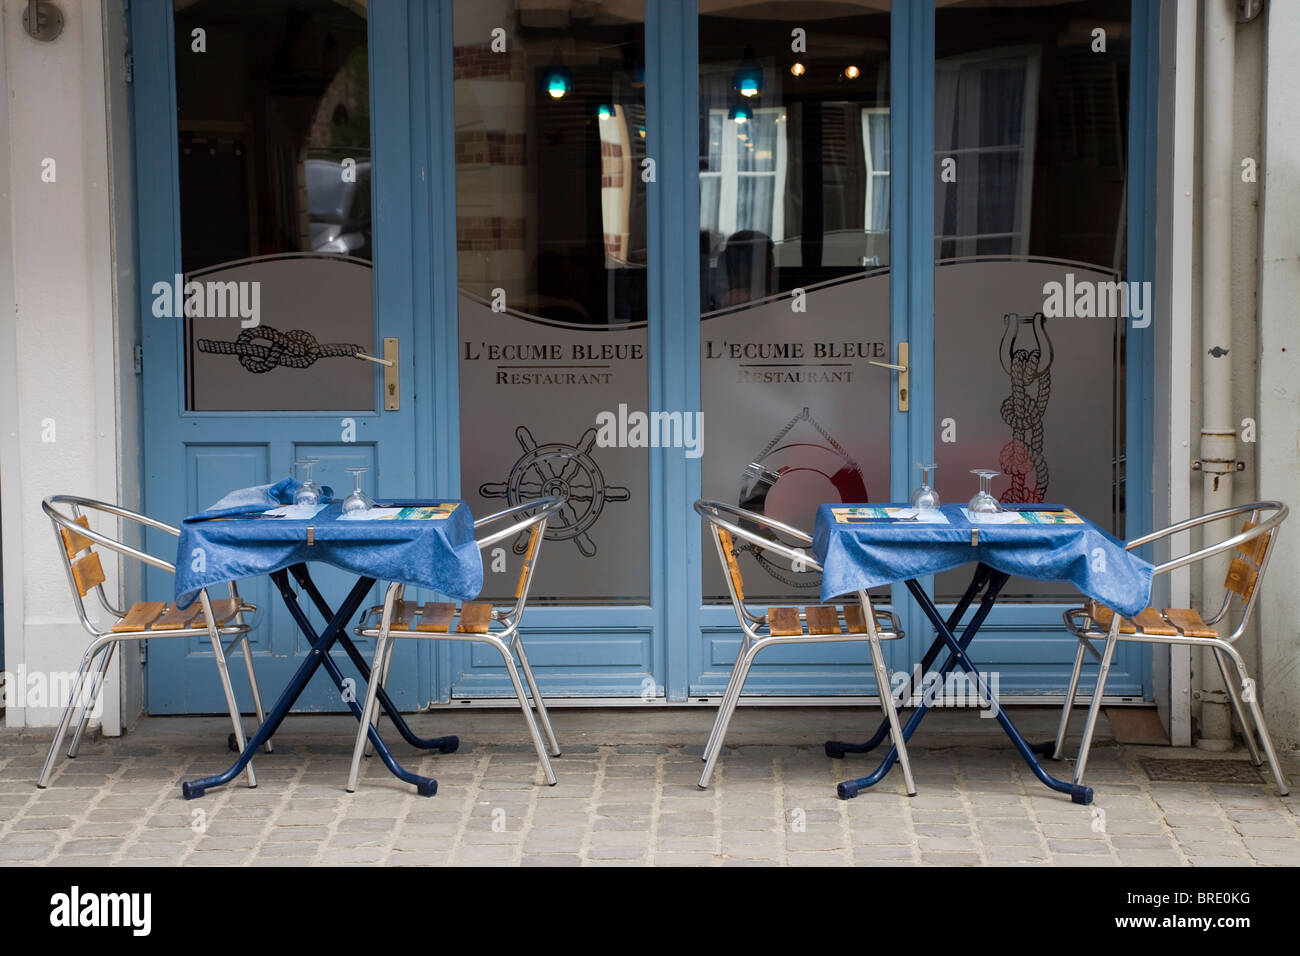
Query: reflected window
{"x": 273, "y": 126}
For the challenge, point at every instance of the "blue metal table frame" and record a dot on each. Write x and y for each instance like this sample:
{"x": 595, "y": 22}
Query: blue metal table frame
{"x": 990, "y": 581}
{"x": 321, "y": 644}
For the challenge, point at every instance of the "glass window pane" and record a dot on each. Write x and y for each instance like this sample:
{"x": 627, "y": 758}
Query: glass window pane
{"x": 276, "y": 236}
{"x": 551, "y": 251}
{"x": 794, "y": 266}
{"x": 1035, "y": 121}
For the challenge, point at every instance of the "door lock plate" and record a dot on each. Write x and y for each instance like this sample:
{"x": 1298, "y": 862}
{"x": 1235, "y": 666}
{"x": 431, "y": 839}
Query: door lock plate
{"x": 392, "y": 371}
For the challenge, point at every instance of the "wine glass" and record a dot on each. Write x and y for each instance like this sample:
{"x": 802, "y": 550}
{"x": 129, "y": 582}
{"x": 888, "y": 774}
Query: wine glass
{"x": 925, "y": 498}
{"x": 308, "y": 493}
{"x": 358, "y": 500}
{"x": 984, "y": 503}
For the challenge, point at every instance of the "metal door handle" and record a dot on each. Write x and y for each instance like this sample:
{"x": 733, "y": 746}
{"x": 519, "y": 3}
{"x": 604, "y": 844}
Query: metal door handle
{"x": 901, "y": 369}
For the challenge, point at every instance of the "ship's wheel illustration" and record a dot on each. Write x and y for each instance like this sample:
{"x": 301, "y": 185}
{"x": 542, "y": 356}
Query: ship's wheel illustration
{"x": 797, "y": 462}
{"x": 557, "y": 469}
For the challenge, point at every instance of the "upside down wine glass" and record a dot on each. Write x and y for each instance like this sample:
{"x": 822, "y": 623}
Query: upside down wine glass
{"x": 358, "y": 500}
{"x": 925, "y": 498}
{"x": 308, "y": 493}
{"x": 984, "y": 503}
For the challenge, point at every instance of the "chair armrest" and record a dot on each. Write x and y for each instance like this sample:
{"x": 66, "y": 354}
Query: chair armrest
{"x": 542, "y": 510}
{"x": 706, "y": 509}
{"x": 1228, "y": 544}
{"x": 807, "y": 560}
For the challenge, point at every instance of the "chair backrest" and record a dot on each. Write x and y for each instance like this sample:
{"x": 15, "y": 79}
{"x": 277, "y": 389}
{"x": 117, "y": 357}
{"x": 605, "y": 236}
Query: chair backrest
{"x": 1250, "y": 556}
{"x": 730, "y": 524}
{"x": 77, "y": 541}
{"x": 535, "y": 514}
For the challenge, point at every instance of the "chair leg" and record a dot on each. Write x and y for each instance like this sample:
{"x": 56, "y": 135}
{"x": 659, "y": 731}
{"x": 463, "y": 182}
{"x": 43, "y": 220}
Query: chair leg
{"x": 1252, "y": 700}
{"x": 743, "y": 663}
{"x": 509, "y": 658}
{"x": 368, "y": 708}
{"x": 1247, "y": 732}
{"x": 369, "y": 749}
{"x": 891, "y": 712}
{"x": 252, "y": 684}
{"x": 90, "y": 698}
{"x": 235, "y": 719}
{"x": 1094, "y": 709}
{"x": 1070, "y": 693}
{"x": 726, "y": 697}
{"x": 542, "y": 715}
{"x": 43, "y": 780}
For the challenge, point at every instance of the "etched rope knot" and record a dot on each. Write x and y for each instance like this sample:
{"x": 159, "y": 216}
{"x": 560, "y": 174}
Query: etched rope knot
{"x": 263, "y": 348}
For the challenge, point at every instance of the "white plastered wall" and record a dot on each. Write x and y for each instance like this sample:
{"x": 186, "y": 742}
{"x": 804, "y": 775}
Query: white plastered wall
{"x": 1278, "y": 450}
{"x": 58, "y": 344}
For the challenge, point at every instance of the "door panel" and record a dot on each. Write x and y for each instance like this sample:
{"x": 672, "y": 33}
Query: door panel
{"x": 1031, "y": 168}
{"x": 795, "y": 283}
{"x": 265, "y": 272}
{"x": 551, "y": 186}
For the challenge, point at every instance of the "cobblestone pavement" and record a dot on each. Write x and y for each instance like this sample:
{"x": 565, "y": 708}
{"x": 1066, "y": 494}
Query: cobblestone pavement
{"x": 627, "y": 795}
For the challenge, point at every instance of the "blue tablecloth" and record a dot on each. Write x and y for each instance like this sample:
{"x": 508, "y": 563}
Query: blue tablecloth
{"x": 861, "y": 556}
{"x": 439, "y": 554}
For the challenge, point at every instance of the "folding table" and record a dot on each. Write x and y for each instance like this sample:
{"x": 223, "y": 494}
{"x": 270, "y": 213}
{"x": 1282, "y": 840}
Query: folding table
{"x": 228, "y": 543}
{"x": 862, "y": 547}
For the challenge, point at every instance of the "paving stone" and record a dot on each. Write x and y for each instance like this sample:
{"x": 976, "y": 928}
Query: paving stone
{"x": 622, "y": 802}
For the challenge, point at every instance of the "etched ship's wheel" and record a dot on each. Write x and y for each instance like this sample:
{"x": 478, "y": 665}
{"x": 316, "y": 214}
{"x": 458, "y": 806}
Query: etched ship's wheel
{"x": 559, "y": 470}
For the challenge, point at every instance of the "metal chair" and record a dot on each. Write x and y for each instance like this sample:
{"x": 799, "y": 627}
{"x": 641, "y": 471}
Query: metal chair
{"x": 396, "y": 618}
{"x": 1096, "y": 622}
{"x": 785, "y": 625}
{"x": 144, "y": 620}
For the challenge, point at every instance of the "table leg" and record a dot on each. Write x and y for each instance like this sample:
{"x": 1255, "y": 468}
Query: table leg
{"x": 425, "y": 786}
{"x": 838, "y": 748}
{"x": 849, "y": 788}
{"x": 1078, "y": 793}
{"x": 445, "y": 745}
{"x": 289, "y": 696}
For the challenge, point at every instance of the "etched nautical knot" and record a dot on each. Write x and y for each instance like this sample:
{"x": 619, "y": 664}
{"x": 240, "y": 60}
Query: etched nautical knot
{"x": 263, "y": 348}
{"x": 1024, "y": 408}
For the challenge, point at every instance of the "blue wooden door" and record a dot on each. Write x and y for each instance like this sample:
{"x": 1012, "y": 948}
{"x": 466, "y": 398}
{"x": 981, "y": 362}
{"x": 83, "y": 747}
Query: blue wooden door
{"x": 275, "y": 180}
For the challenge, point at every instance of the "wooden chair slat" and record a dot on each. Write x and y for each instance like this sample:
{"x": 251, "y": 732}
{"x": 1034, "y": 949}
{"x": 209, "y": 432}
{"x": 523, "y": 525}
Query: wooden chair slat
{"x": 855, "y": 619}
{"x": 176, "y": 619}
{"x": 403, "y": 614}
{"x": 1152, "y": 623}
{"x": 823, "y": 619}
{"x": 475, "y": 618}
{"x": 224, "y": 609}
{"x": 73, "y": 542}
{"x": 1189, "y": 622}
{"x": 435, "y": 617}
{"x": 1253, "y": 550}
{"x": 1103, "y": 615}
{"x": 87, "y": 572}
{"x": 1242, "y": 576}
{"x": 140, "y": 616}
{"x": 733, "y": 566}
{"x": 783, "y": 621}
{"x": 528, "y": 561}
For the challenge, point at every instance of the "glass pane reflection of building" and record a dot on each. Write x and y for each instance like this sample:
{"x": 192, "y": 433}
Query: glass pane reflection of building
{"x": 794, "y": 162}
